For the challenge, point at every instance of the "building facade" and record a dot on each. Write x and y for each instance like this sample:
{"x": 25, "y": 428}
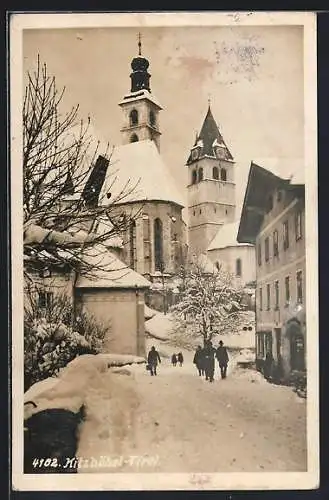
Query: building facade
{"x": 238, "y": 259}
{"x": 211, "y": 186}
{"x": 273, "y": 218}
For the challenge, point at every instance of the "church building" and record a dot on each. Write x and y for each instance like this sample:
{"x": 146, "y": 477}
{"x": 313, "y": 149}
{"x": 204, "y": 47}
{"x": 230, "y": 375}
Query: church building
{"x": 141, "y": 186}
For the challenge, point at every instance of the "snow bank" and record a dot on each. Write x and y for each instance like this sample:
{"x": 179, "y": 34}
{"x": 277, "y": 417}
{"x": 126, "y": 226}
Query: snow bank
{"x": 120, "y": 359}
{"x": 243, "y": 340}
{"x": 149, "y": 313}
{"x": 161, "y": 326}
{"x": 68, "y": 390}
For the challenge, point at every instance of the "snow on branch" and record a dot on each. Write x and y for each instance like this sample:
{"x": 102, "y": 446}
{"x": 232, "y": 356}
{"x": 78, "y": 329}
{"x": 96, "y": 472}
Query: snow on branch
{"x": 64, "y": 168}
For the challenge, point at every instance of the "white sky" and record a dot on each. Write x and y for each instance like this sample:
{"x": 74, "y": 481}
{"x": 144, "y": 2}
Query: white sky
{"x": 253, "y": 74}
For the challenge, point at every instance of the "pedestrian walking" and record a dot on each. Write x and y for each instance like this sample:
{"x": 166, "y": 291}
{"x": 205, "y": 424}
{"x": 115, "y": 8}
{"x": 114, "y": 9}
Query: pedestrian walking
{"x": 180, "y": 359}
{"x": 174, "y": 360}
{"x": 152, "y": 360}
{"x": 222, "y": 358}
{"x": 209, "y": 360}
{"x": 198, "y": 360}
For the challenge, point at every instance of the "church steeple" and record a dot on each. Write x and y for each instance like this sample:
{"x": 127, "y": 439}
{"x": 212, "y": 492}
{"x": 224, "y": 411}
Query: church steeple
{"x": 140, "y": 78}
{"x": 210, "y": 141}
{"x": 211, "y": 186}
{"x": 140, "y": 108}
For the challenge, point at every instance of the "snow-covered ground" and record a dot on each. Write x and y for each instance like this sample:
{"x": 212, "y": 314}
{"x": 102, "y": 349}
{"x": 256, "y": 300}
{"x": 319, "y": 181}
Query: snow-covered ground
{"x": 178, "y": 422}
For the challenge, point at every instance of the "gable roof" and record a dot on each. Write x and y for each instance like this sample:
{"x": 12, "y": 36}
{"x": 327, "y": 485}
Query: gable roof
{"x": 109, "y": 271}
{"x": 209, "y": 138}
{"x": 226, "y": 237}
{"x": 138, "y": 171}
{"x": 261, "y": 183}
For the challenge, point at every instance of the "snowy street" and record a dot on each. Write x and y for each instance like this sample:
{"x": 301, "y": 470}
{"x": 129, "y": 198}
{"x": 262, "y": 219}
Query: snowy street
{"x": 190, "y": 425}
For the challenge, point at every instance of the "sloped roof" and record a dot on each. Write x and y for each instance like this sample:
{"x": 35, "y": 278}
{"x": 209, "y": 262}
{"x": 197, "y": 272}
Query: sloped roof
{"x": 209, "y": 138}
{"x": 261, "y": 183}
{"x": 109, "y": 271}
{"x": 226, "y": 237}
{"x": 138, "y": 170}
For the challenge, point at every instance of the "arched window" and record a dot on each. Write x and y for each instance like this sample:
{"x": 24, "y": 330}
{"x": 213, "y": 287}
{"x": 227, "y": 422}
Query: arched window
{"x": 132, "y": 244}
{"x": 223, "y": 175}
{"x": 238, "y": 265}
{"x": 194, "y": 176}
{"x": 152, "y": 118}
{"x": 134, "y": 138}
{"x": 200, "y": 174}
{"x": 158, "y": 244}
{"x": 215, "y": 173}
{"x": 133, "y": 117}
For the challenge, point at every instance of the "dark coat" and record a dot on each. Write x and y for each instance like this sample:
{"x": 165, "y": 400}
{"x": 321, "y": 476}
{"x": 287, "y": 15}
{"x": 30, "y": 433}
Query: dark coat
{"x": 180, "y": 358}
{"x": 198, "y": 357}
{"x": 221, "y": 355}
{"x": 153, "y": 357}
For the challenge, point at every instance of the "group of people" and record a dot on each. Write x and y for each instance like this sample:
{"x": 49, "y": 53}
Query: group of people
{"x": 177, "y": 358}
{"x": 204, "y": 360}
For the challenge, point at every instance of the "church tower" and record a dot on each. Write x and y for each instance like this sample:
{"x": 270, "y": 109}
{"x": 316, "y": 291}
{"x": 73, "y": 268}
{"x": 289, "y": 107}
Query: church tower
{"x": 140, "y": 108}
{"x": 211, "y": 186}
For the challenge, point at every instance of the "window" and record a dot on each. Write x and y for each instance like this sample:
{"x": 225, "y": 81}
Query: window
{"x": 158, "y": 244}
{"x": 267, "y": 249}
{"x": 45, "y": 299}
{"x": 275, "y": 243}
{"x": 133, "y": 117}
{"x": 276, "y": 295}
{"x": 132, "y": 244}
{"x": 193, "y": 212}
{"x": 215, "y": 173}
{"x": 259, "y": 254}
{"x": 200, "y": 174}
{"x": 298, "y": 225}
{"x": 223, "y": 174}
{"x": 147, "y": 243}
{"x": 152, "y": 118}
{"x": 134, "y": 138}
{"x": 260, "y": 344}
{"x": 215, "y": 209}
{"x": 285, "y": 235}
{"x": 194, "y": 176}
{"x": 260, "y": 299}
{"x": 287, "y": 289}
{"x": 299, "y": 280}
{"x": 200, "y": 211}
{"x": 238, "y": 266}
{"x": 268, "y": 296}
{"x": 279, "y": 196}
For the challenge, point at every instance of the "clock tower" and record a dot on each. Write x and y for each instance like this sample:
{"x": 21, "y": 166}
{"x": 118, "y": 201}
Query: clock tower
{"x": 211, "y": 186}
{"x": 140, "y": 108}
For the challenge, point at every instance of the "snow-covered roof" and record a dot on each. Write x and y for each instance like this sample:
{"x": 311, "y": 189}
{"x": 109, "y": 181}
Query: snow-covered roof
{"x": 109, "y": 271}
{"x": 138, "y": 170}
{"x": 138, "y": 96}
{"x": 226, "y": 237}
{"x": 291, "y": 169}
{"x": 34, "y": 233}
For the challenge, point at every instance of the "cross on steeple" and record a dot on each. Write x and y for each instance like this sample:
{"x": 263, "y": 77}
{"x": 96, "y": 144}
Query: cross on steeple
{"x": 139, "y": 44}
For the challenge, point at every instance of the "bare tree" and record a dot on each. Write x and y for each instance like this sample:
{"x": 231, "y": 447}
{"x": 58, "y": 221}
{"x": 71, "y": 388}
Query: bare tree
{"x": 63, "y": 172}
{"x": 209, "y": 302}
